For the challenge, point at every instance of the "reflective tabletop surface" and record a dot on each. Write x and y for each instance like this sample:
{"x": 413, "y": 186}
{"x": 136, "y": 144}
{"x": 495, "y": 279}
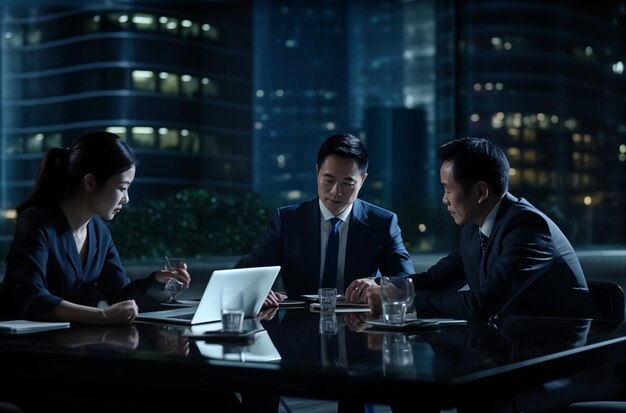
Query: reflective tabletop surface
{"x": 299, "y": 353}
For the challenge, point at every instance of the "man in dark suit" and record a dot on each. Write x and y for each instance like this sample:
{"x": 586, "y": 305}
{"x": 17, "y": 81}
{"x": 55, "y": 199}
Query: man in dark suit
{"x": 513, "y": 258}
{"x": 369, "y": 242}
{"x": 369, "y": 238}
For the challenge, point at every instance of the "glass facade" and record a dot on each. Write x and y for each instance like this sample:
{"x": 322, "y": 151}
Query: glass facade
{"x": 235, "y": 97}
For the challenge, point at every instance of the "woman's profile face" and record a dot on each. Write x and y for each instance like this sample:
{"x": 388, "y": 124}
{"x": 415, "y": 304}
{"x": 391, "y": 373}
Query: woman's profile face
{"x": 109, "y": 200}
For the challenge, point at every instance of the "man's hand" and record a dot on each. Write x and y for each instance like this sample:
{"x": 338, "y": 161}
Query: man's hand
{"x": 273, "y": 299}
{"x": 356, "y": 291}
{"x": 373, "y": 299}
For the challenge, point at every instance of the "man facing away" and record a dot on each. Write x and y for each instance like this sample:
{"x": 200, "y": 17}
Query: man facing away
{"x": 369, "y": 238}
{"x": 514, "y": 259}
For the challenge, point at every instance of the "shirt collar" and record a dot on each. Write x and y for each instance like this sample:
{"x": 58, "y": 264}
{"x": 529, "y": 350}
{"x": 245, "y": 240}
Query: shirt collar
{"x": 491, "y": 219}
{"x": 326, "y": 214}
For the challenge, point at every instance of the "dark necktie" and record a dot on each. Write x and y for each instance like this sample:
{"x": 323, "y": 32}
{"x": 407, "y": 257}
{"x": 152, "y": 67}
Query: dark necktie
{"x": 483, "y": 242}
{"x": 332, "y": 252}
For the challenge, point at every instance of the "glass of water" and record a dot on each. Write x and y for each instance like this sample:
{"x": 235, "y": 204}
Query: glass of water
{"x": 232, "y": 310}
{"x": 396, "y": 298}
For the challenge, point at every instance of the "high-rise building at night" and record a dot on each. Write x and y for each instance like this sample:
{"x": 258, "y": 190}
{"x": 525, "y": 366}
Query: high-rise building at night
{"x": 174, "y": 79}
{"x": 300, "y": 92}
{"x": 545, "y": 80}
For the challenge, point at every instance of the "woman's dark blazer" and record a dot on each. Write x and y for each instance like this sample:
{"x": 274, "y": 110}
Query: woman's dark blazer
{"x": 43, "y": 266}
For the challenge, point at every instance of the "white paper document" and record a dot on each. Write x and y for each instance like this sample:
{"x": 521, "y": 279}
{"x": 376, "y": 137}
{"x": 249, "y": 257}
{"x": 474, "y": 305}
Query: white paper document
{"x": 26, "y": 326}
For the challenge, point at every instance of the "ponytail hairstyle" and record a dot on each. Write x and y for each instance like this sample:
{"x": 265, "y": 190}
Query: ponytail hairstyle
{"x": 61, "y": 171}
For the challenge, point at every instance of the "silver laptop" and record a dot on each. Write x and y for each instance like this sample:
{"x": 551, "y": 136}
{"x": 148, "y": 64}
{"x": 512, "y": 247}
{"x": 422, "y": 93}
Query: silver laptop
{"x": 255, "y": 283}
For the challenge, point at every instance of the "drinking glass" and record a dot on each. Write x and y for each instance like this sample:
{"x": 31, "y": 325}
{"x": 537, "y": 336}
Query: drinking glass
{"x": 172, "y": 286}
{"x": 233, "y": 310}
{"x": 328, "y": 299}
{"x": 396, "y": 297}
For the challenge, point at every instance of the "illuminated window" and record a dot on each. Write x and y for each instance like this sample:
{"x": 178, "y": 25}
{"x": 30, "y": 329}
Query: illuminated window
{"x": 169, "y": 83}
{"x": 92, "y": 24}
{"x": 53, "y": 140}
{"x": 544, "y": 121}
{"x": 211, "y": 88}
{"x": 143, "y": 136}
{"x": 513, "y": 133}
{"x": 168, "y": 25}
{"x": 118, "y": 19}
{"x": 190, "y": 142}
{"x": 514, "y": 177}
{"x": 34, "y": 36}
{"x": 143, "y": 80}
{"x": 168, "y": 139}
{"x": 144, "y": 22}
{"x": 14, "y": 38}
{"x": 189, "y": 28}
{"x": 497, "y": 120}
{"x": 190, "y": 85}
{"x": 34, "y": 142}
{"x": 118, "y": 130}
{"x": 210, "y": 31}
{"x": 14, "y": 146}
{"x": 513, "y": 154}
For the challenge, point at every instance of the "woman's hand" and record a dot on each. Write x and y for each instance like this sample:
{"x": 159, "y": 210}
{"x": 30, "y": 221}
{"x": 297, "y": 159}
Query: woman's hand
{"x": 179, "y": 273}
{"x": 123, "y": 312}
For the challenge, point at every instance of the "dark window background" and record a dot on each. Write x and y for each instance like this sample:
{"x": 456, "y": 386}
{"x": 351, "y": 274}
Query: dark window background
{"x": 269, "y": 80}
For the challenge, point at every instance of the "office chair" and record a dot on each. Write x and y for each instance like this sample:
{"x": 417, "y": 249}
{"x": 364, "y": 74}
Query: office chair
{"x": 609, "y": 298}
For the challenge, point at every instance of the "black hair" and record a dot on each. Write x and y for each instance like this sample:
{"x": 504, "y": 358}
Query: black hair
{"x": 102, "y": 154}
{"x": 346, "y": 146}
{"x": 477, "y": 159}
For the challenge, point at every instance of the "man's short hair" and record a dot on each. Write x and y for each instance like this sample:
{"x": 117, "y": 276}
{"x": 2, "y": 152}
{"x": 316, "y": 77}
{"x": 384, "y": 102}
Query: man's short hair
{"x": 477, "y": 159}
{"x": 345, "y": 146}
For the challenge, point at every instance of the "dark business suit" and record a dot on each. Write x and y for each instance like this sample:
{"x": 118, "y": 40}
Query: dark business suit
{"x": 292, "y": 240}
{"x": 43, "y": 266}
{"x": 529, "y": 268}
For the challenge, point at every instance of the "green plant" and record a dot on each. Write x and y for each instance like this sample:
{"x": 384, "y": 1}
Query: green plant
{"x": 193, "y": 223}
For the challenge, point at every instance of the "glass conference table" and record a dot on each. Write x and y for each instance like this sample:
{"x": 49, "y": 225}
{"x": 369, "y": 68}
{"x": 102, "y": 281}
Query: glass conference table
{"x": 442, "y": 366}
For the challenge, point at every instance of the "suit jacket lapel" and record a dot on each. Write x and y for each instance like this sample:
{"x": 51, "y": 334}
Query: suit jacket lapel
{"x": 92, "y": 246}
{"x": 358, "y": 233}
{"x": 506, "y": 203}
{"x": 311, "y": 253}
{"x": 72, "y": 255}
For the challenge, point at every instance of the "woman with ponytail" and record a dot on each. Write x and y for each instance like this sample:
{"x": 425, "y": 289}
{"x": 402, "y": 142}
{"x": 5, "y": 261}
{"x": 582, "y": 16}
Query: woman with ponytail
{"x": 62, "y": 258}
